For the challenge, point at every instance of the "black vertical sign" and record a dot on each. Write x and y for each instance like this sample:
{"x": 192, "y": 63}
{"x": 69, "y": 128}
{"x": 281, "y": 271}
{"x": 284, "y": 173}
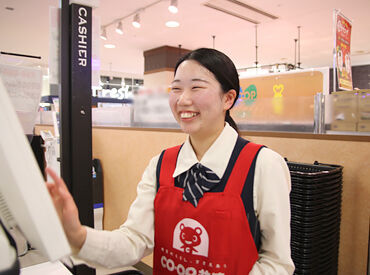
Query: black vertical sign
{"x": 80, "y": 108}
{"x": 76, "y": 151}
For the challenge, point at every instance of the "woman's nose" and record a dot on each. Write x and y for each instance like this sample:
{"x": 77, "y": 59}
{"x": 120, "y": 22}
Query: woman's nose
{"x": 185, "y": 98}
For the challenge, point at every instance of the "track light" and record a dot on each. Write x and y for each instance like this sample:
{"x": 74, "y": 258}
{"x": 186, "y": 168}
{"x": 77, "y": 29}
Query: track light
{"x": 103, "y": 34}
{"x": 119, "y": 28}
{"x": 136, "y": 22}
{"x": 173, "y": 6}
{"x": 109, "y": 46}
{"x": 172, "y": 24}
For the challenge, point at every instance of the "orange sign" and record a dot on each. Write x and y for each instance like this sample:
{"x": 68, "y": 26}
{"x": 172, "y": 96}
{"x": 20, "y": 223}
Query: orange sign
{"x": 343, "y": 51}
{"x": 278, "y": 97}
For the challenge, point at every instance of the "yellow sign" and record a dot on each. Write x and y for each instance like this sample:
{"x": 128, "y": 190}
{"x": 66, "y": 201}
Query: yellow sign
{"x": 278, "y": 90}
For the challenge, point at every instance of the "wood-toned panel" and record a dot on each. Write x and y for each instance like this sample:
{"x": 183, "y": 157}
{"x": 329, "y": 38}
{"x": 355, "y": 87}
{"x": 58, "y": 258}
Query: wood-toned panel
{"x": 162, "y": 57}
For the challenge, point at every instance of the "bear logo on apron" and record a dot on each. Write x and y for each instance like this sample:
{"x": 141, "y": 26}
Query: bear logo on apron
{"x": 191, "y": 237}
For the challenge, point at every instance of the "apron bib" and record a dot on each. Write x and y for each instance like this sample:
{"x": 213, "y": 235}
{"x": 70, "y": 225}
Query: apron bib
{"x": 213, "y": 238}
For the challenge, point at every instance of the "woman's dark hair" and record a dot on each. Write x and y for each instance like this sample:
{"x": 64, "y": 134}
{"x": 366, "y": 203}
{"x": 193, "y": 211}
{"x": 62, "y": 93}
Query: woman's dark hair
{"x": 222, "y": 68}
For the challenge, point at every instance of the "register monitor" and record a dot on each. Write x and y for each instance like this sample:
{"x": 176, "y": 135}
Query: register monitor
{"x": 24, "y": 199}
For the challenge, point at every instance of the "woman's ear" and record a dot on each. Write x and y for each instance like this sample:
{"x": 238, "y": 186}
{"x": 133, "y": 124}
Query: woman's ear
{"x": 229, "y": 99}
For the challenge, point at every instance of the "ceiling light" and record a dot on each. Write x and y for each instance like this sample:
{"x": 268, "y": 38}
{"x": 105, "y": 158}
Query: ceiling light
{"x": 119, "y": 28}
{"x": 173, "y": 6}
{"x": 172, "y": 24}
{"x": 136, "y": 22}
{"x": 103, "y": 34}
{"x": 109, "y": 46}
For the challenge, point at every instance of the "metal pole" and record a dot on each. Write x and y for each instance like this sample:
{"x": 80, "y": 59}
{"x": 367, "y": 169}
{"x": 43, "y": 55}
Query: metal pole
{"x": 299, "y": 47}
{"x": 256, "y": 48}
{"x": 295, "y": 53}
{"x": 334, "y": 51}
{"x": 319, "y": 113}
{"x": 179, "y": 50}
{"x": 21, "y": 55}
{"x": 316, "y": 114}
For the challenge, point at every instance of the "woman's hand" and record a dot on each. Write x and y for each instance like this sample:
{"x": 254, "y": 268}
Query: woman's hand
{"x": 67, "y": 211}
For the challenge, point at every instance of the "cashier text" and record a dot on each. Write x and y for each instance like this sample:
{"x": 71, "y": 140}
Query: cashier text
{"x": 82, "y": 37}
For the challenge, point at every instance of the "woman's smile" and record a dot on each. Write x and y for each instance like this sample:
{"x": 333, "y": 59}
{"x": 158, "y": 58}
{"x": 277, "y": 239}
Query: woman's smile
{"x": 186, "y": 115}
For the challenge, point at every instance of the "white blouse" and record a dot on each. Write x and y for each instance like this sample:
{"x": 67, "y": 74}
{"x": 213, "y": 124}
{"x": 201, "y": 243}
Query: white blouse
{"x": 135, "y": 238}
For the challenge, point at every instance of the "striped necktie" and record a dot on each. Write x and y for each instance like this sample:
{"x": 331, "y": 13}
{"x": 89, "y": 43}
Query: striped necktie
{"x": 196, "y": 181}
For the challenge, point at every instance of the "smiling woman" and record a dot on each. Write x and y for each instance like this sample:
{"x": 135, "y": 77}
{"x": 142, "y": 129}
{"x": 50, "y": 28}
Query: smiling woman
{"x": 198, "y": 101}
{"x": 212, "y": 167}
{"x": 215, "y": 204}
{"x": 221, "y": 68}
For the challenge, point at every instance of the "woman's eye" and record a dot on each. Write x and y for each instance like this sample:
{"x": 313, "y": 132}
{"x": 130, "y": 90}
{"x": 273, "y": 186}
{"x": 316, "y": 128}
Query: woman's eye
{"x": 175, "y": 89}
{"x": 197, "y": 87}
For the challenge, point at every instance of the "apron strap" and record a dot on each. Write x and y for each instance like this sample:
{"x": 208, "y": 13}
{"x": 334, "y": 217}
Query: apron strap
{"x": 239, "y": 172}
{"x": 166, "y": 166}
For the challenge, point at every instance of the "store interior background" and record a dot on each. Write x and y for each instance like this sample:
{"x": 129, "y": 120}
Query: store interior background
{"x": 25, "y": 30}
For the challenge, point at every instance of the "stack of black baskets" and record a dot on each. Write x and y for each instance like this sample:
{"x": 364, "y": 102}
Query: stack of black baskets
{"x": 315, "y": 200}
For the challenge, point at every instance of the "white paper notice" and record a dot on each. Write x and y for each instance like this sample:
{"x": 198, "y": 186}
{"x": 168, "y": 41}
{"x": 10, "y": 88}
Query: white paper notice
{"x": 54, "y": 45}
{"x": 24, "y": 86}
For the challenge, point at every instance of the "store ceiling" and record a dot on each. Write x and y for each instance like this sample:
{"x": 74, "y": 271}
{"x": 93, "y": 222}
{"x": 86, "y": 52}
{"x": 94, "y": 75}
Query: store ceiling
{"x": 25, "y": 30}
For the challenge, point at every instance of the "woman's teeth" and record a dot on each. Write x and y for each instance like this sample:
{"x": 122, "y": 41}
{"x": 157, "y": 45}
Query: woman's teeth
{"x": 187, "y": 115}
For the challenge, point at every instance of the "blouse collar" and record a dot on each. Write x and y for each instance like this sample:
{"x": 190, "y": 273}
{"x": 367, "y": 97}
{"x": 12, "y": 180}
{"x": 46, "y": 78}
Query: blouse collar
{"x": 216, "y": 158}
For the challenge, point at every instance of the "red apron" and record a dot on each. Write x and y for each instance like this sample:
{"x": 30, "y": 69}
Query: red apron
{"x": 213, "y": 238}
